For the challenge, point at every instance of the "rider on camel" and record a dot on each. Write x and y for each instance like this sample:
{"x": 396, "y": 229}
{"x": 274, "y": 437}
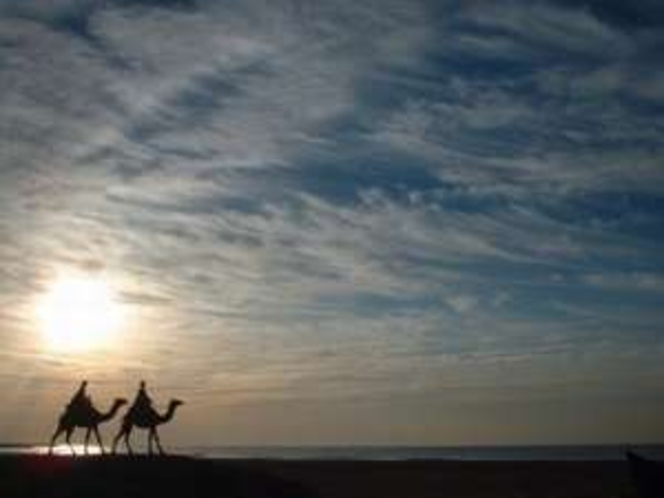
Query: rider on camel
{"x": 142, "y": 403}
{"x": 80, "y": 400}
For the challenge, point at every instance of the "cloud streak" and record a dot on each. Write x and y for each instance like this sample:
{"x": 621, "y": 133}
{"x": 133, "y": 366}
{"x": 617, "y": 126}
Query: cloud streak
{"x": 311, "y": 200}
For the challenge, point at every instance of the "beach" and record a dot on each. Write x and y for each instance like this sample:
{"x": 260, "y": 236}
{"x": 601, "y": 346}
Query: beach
{"x": 178, "y": 476}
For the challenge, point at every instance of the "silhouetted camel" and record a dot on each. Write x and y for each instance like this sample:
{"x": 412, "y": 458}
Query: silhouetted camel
{"x": 86, "y": 417}
{"x": 145, "y": 419}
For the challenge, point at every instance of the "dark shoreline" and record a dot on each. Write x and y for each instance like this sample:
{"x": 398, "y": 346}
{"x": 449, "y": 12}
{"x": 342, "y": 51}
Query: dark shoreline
{"x": 124, "y": 477}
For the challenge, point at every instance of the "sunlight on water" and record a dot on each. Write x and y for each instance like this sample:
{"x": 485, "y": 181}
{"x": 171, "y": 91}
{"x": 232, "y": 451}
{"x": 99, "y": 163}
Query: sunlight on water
{"x": 63, "y": 449}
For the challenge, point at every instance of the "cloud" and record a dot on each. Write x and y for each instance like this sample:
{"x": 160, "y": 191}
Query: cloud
{"x": 348, "y": 198}
{"x": 485, "y": 137}
{"x": 462, "y": 304}
{"x": 551, "y": 27}
{"x": 636, "y": 281}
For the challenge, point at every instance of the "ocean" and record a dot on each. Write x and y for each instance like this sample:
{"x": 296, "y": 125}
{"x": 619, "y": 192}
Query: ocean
{"x": 472, "y": 453}
{"x": 396, "y": 453}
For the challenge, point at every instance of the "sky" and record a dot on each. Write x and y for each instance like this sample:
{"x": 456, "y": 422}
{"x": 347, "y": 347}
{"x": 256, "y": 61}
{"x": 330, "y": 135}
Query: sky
{"x": 341, "y": 221}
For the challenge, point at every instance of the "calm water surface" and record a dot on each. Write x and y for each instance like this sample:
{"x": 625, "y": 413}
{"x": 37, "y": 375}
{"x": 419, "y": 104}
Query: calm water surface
{"x": 471, "y": 453}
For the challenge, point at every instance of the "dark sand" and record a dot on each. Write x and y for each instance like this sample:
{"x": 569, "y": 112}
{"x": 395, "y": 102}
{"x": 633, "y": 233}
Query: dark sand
{"x": 126, "y": 477}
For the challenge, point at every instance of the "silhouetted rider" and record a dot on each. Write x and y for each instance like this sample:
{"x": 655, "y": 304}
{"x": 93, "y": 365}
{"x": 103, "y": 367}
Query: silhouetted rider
{"x": 80, "y": 400}
{"x": 142, "y": 403}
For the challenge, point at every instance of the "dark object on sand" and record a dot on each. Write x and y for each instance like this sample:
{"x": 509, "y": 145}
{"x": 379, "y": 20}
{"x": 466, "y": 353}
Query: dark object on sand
{"x": 648, "y": 476}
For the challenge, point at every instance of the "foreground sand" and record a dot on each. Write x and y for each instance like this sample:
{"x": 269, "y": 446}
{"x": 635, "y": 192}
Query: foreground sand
{"x": 125, "y": 477}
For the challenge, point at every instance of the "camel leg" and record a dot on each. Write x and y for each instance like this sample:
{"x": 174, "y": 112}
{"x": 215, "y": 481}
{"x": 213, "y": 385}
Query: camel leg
{"x": 125, "y": 428}
{"x": 68, "y": 434}
{"x": 126, "y": 440}
{"x": 155, "y": 435}
{"x": 59, "y": 430}
{"x": 99, "y": 442}
{"x": 150, "y": 438}
{"x": 88, "y": 432}
{"x": 116, "y": 440}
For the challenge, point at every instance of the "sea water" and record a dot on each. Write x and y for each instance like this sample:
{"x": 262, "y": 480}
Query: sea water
{"x": 471, "y": 453}
{"x": 386, "y": 453}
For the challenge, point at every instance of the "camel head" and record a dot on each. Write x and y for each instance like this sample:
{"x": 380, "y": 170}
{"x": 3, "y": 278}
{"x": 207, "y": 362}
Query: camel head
{"x": 172, "y": 406}
{"x": 117, "y": 403}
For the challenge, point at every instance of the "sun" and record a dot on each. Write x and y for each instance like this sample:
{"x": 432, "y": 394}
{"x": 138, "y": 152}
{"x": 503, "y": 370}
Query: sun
{"x": 78, "y": 313}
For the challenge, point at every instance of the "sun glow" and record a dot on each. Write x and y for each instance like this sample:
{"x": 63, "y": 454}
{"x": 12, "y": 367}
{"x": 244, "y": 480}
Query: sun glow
{"x": 78, "y": 313}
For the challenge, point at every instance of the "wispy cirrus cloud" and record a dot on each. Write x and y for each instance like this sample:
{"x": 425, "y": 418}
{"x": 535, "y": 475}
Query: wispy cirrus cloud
{"x": 338, "y": 199}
